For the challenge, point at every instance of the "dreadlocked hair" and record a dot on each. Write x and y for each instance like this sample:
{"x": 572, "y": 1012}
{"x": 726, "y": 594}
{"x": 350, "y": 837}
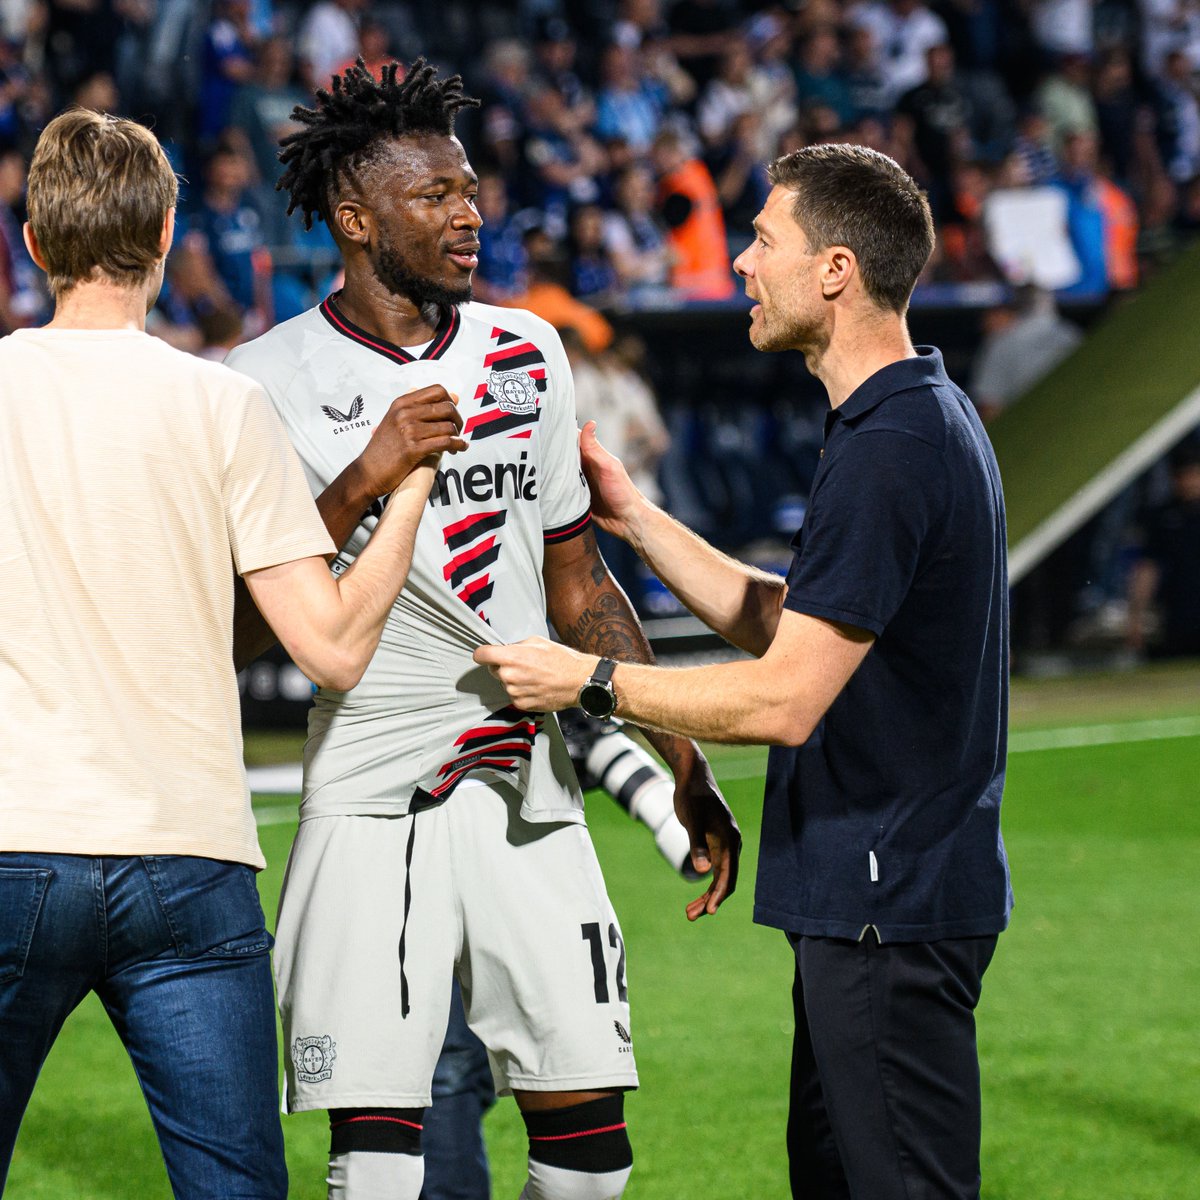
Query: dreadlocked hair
{"x": 352, "y": 117}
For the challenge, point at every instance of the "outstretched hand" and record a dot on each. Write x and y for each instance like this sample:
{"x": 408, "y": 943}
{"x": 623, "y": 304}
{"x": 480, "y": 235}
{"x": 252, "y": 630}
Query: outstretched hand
{"x": 714, "y": 834}
{"x": 538, "y": 675}
{"x": 418, "y": 428}
{"x": 614, "y": 496}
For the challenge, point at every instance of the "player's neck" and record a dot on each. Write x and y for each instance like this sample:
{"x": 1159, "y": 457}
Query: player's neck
{"x": 101, "y": 305}
{"x": 396, "y": 319}
{"x": 854, "y": 353}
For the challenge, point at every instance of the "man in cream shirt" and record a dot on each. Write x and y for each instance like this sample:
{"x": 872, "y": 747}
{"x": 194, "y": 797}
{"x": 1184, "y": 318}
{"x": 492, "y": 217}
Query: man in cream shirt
{"x": 134, "y": 481}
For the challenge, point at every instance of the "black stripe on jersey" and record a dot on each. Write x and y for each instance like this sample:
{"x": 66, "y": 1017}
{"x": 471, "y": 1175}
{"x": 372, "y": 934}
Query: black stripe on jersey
{"x": 504, "y": 338}
{"x": 531, "y": 358}
{"x": 478, "y": 596}
{"x": 448, "y": 327}
{"x": 474, "y": 566}
{"x": 483, "y": 524}
{"x": 564, "y": 533}
{"x": 504, "y": 424}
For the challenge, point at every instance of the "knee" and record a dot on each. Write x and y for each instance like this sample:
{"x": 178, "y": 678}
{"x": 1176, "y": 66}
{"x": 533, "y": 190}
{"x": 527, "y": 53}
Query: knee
{"x": 579, "y": 1153}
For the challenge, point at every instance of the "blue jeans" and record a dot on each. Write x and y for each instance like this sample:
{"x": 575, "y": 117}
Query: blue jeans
{"x": 177, "y": 950}
{"x": 456, "y": 1165}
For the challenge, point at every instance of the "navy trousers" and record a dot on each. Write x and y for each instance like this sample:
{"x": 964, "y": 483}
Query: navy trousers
{"x": 885, "y": 1071}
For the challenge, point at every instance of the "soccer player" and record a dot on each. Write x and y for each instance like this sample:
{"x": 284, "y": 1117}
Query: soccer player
{"x": 134, "y": 481}
{"x": 880, "y": 676}
{"x": 442, "y": 831}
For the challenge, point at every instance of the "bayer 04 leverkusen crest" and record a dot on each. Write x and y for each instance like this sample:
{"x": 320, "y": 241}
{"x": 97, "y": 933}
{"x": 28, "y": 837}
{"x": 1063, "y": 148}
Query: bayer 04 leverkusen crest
{"x": 515, "y": 391}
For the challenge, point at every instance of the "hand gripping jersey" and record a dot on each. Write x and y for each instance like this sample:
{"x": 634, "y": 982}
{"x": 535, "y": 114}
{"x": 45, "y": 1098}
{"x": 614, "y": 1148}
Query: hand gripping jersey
{"x": 425, "y": 718}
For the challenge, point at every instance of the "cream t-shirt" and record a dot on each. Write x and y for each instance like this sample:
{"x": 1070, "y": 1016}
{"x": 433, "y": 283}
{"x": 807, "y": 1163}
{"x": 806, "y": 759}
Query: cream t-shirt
{"x": 134, "y": 480}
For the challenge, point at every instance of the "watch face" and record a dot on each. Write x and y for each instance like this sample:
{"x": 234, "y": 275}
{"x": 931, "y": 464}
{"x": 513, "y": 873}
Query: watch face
{"x": 597, "y": 700}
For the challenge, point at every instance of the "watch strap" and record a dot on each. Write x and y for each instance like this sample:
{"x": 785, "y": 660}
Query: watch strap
{"x": 604, "y": 671}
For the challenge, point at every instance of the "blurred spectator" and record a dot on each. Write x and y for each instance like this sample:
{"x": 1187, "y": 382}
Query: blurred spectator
{"x": 1023, "y": 341}
{"x": 502, "y": 259}
{"x": 691, "y": 210}
{"x": 328, "y": 38}
{"x": 1065, "y": 100}
{"x": 563, "y": 161}
{"x": 15, "y": 85}
{"x": 191, "y": 290}
{"x": 610, "y": 391}
{"x": 99, "y": 93}
{"x": 374, "y": 48}
{"x": 1167, "y": 573}
{"x": 1118, "y": 111}
{"x": 629, "y": 105}
{"x": 263, "y": 108}
{"x": 547, "y": 295}
{"x": 740, "y": 172}
{"x": 22, "y": 299}
{"x": 1063, "y": 27}
{"x": 866, "y": 84}
{"x": 739, "y": 88}
{"x": 593, "y": 275}
{"x": 635, "y": 240}
{"x": 819, "y": 77}
{"x": 1179, "y": 118}
{"x": 555, "y": 51}
{"x": 637, "y": 22}
{"x": 700, "y": 30}
{"x": 955, "y": 117}
{"x": 1101, "y": 219}
{"x": 220, "y": 332}
{"x": 903, "y": 30}
{"x": 228, "y": 62}
{"x": 232, "y": 232}
{"x": 505, "y": 83}
{"x": 1032, "y": 148}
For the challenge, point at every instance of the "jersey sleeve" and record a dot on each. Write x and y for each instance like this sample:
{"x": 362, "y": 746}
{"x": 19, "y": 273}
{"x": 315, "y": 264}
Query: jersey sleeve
{"x": 269, "y": 511}
{"x": 562, "y": 491}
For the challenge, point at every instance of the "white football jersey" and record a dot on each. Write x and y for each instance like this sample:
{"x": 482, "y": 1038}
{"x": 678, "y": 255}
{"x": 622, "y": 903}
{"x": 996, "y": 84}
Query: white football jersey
{"x": 425, "y": 717}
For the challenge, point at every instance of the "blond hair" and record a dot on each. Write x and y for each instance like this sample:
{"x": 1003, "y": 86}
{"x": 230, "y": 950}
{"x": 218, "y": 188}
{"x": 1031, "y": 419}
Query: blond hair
{"x": 100, "y": 188}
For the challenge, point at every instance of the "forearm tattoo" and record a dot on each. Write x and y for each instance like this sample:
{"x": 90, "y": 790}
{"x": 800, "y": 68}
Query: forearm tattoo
{"x": 607, "y": 627}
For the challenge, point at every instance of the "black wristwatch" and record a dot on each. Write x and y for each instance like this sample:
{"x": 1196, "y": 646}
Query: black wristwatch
{"x": 597, "y": 697}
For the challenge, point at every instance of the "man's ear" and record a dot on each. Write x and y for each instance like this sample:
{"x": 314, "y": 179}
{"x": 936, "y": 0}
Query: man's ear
{"x": 168, "y": 233}
{"x": 838, "y": 268}
{"x": 31, "y": 244}
{"x": 353, "y": 222}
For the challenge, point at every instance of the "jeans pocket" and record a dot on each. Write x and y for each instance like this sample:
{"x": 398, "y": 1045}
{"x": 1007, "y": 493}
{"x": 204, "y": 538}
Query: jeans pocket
{"x": 211, "y": 907}
{"x": 22, "y": 890}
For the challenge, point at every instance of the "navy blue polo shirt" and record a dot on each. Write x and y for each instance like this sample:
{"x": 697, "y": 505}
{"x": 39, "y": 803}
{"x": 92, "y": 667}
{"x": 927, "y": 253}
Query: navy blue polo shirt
{"x": 889, "y": 815}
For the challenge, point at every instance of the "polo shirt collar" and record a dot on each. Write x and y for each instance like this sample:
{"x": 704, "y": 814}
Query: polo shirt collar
{"x": 925, "y": 370}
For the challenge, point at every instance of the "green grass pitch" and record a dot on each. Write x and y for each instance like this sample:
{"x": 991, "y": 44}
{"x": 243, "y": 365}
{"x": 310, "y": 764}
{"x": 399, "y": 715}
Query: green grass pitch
{"x": 1088, "y": 1024}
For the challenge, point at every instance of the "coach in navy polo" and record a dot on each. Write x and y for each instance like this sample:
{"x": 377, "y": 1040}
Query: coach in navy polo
{"x": 880, "y": 678}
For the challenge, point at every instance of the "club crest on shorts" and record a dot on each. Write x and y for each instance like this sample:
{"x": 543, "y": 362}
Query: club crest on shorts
{"x": 515, "y": 392}
{"x": 313, "y": 1058}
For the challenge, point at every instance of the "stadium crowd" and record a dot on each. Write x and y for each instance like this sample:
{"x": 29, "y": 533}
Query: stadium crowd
{"x": 621, "y": 142}
{"x": 621, "y": 147}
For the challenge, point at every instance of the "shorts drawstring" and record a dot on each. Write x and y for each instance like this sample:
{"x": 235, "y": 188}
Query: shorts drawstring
{"x": 408, "y": 857}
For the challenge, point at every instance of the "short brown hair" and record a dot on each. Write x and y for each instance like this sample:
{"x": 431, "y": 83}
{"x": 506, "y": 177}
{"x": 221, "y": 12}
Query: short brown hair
{"x": 100, "y": 188}
{"x": 856, "y": 197}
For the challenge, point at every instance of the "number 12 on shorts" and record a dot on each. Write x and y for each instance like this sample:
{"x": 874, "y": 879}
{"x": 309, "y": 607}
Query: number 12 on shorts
{"x": 591, "y": 934}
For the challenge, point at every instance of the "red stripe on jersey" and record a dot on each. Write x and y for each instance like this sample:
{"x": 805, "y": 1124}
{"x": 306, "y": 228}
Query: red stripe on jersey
{"x": 523, "y": 434}
{"x": 484, "y": 418}
{"x": 508, "y": 730}
{"x": 466, "y": 556}
{"x": 481, "y": 391}
{"x": 510, "y": 352}
{"x": 537, "y": 373}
